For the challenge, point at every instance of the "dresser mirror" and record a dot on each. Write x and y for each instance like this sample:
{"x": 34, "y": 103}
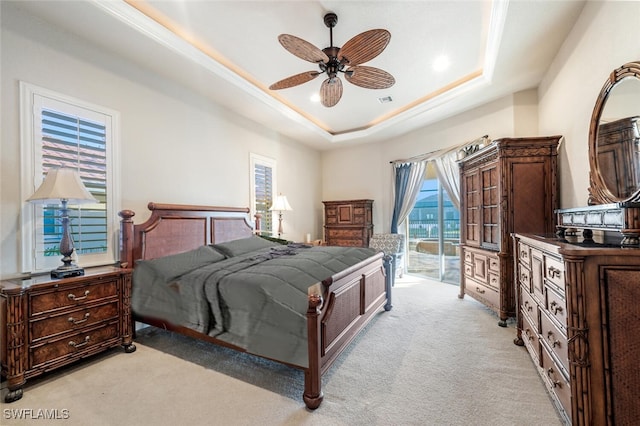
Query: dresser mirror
{"x": 614, "y": 160}
{"x": 614, "y": 139}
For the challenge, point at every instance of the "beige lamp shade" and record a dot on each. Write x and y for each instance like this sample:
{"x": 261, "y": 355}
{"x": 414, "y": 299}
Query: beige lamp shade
{"x": 62, "y": 184}
{"x": 281, "y": 204}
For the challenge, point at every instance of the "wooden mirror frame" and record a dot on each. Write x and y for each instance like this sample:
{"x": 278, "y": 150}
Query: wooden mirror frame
{"x": 598, "y": 191}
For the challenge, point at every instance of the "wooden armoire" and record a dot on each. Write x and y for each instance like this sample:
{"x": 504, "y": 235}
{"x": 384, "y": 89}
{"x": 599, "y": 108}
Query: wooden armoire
{"x": 348, "y": 223}
{"x": 508, "y": 186}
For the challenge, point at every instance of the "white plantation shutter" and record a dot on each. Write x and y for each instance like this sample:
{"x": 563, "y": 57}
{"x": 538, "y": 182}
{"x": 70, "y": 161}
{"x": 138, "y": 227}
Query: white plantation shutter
{"x": 68, "y": 133}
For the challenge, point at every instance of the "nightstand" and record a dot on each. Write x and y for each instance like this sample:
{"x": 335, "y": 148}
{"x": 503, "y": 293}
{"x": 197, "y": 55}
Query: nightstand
{"x": 47, "y": 323}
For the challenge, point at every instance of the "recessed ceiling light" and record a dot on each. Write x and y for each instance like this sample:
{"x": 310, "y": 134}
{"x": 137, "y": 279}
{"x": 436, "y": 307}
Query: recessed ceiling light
{"x": 385, "y": 99}
{"x": 315, "y": 97}
{"x": 441, "y": 63}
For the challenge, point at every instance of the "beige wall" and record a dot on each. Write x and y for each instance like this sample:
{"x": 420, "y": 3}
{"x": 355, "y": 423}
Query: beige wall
{"x": 604, "y": 38}
{"x": 176, "y": 146}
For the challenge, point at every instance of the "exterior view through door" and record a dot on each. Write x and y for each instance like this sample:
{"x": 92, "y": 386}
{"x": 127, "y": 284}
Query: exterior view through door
{"x": 433, "y": 230}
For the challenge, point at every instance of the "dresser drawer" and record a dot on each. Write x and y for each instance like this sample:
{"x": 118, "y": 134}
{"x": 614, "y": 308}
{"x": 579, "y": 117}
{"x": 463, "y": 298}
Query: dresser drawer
{"x": 556, "y": 340}
{"x": 70, "y": 296}
{"x": 481, "y": 291}
{"x": 529, "y": 306}
{"x": 345, "y": 233}
{"x": 345, "y": 243}
{"x": 530, "y": 337}
{"x": 556, "y": 381}
{"x": 73, "y": 346}
{"x": 524, "y": 277}
{"x": 524, "y": 256}
{"x": 554, "y": 271}
{"x": 72, "y": 320}
{"x": 556, "y": 306}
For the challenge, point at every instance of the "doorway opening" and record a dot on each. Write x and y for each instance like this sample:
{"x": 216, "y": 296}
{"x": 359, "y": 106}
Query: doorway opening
{"x": 433, "y": 233}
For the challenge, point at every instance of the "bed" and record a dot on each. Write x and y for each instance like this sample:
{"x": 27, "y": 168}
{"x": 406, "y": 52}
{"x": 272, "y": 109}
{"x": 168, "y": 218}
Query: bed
{"x": 335, "y": 308}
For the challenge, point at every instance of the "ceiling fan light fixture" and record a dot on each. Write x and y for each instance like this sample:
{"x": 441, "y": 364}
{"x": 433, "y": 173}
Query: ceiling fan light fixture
{"x": 333, "y": 60}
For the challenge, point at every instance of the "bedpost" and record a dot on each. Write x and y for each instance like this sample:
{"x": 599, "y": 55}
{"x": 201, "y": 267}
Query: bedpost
{"x": 312, "y": 395}
{"x": 389, "y": 279}
{"x": 257, "y": 228}
{"x": 126, "y": 238}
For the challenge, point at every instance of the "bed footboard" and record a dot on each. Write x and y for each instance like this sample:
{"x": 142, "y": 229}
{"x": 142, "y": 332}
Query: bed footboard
{"x": 339, "y": 308}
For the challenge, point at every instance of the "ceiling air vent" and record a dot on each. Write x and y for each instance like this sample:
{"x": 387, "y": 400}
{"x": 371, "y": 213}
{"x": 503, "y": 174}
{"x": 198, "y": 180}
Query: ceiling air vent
{"x": 385, "y": 99}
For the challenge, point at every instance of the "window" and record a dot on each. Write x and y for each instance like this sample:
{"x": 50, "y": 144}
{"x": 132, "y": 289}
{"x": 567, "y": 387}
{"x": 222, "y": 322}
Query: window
{"x": 263, "y": 172}
{"x": 59, "y": 131}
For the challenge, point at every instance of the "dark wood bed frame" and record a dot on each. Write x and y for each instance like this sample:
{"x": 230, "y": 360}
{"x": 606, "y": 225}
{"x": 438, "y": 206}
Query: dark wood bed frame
{"x": 339, "y": 306}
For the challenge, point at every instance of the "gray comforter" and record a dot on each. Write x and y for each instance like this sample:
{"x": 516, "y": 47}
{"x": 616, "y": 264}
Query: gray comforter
{"x": 249, "y": 293}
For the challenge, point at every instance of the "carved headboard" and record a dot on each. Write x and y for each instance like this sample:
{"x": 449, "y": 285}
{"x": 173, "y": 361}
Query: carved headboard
{"x": 175, "y": 228}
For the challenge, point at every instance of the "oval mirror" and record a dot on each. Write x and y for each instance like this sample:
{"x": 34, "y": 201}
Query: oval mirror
{"x": 614, "y": 139}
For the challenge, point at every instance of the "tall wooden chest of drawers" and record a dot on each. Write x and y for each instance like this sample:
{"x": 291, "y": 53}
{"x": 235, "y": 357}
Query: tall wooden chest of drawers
{"x": 47, "y": 323}
{"x": 508, "y": 186}
{"x": 348, "y": 223}
{"x": 578, "y": 317}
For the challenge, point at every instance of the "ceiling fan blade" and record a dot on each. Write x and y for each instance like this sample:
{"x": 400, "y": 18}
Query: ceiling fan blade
{"x": 294, "y": 80}
{"x": 369, "y": 77}
{"x": 331, "y": 91}
{"x": 364, "y": 47}
{"x": 302, "y": 49}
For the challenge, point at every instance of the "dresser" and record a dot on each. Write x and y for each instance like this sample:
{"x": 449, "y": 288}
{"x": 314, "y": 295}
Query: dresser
{"x": 578, "y": 317}
{"x": 348, "y": 223}
{"x": 508, "y": 186}
{"x": 47, "y": 323}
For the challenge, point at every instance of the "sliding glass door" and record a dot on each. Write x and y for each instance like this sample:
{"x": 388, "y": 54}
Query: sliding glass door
{"x": 433, "y": 230}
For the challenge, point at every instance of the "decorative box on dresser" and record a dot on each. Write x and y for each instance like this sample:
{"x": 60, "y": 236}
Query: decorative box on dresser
{"x": 578, "y": 317}
{"x": 508, "y": 186}
{"x": 348, "y": 223}
{"x": 47, "y": 323}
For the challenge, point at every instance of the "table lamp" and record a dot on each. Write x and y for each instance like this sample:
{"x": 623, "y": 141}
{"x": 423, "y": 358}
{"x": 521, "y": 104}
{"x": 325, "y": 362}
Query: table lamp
{"x": 280, "y": 204}
{"x": 63, "y": 185}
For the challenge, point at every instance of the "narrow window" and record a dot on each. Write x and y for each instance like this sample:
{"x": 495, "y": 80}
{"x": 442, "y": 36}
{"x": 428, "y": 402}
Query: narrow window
{"x": 64, "y": 132}
{"x": 263, "y": 189}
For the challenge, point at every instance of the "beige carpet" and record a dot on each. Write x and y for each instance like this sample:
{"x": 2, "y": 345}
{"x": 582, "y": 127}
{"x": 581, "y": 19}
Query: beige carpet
{"x": 433, "y": 360}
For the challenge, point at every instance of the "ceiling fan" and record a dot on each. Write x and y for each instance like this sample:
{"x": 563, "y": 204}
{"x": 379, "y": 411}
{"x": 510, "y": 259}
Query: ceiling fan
{"x": 332, "y": 60}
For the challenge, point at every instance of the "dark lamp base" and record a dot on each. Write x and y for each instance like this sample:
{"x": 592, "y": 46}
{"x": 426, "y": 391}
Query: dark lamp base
{"x": 63, "y": 272}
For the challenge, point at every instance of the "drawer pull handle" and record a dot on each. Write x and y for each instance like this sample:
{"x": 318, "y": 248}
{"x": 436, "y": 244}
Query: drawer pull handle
{"x": 553, "y": 272}
{"x": 524, "y": 254}
{"x": 80, "y": 321}
{"x": 555, "y": 307}
{"x": 529, "y": 334}
{"x": 479, "y": 290}
{"x": 553, "y": 342}
{"x": 72, "y": 296}
{"x": 527, "y": 306}
{"x": 554, "y": 382}
{"x": 79, "y": 345}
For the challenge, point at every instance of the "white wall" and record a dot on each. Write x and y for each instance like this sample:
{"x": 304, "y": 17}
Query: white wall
{"x": 177, "y": 147}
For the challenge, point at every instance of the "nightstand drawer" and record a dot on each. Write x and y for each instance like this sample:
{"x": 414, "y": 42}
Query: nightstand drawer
{"x": 72, "y": 320}
{"x": 73, "y": 345}
{"x": 70, "y": 296}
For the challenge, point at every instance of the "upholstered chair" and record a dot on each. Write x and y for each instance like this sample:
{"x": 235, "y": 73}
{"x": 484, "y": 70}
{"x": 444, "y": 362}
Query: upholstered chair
{"x": 391, "y": 245}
